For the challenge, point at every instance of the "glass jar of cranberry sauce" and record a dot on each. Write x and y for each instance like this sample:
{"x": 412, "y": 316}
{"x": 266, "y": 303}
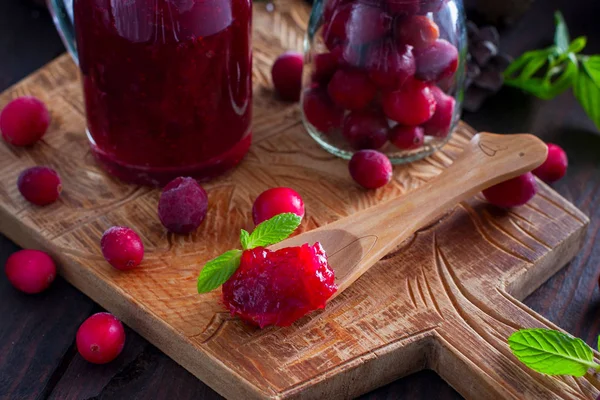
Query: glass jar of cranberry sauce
{"x": 385, "y": 75}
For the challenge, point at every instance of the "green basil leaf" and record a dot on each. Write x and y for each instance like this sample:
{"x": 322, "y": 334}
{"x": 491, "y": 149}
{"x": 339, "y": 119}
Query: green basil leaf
{"x": 274, "y": 230}
{"x": 244, "y": 239}
{"x": 551, "y": 352}
{"x": 577, "y": 45}
{"x": 218, "y": 270}
{"x": 561, "y": 35}
{"x": 587, "y": 92}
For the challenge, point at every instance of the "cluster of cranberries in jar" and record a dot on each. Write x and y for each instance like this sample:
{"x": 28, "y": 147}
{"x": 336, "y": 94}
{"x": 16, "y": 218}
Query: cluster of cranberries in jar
{"x": 382, "y": 76}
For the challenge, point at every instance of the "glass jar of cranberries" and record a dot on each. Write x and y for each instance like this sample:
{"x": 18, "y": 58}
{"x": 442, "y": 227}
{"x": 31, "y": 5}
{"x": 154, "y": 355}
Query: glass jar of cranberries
{"x": 385, "y": 75}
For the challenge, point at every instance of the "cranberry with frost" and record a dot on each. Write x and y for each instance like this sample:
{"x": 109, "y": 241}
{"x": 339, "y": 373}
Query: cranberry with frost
{"x": 390, "y": 65}
{"x": 417, "y": 31}
{"x": 100, "y": 339}
{"x": 24, "y": 121}
{"x": 287, "y": 75}
{"x": 277, "y": 201}
{"x": 320, "y": 111}
{"x": 555, "y": 166}
{"x": 441, "y": 121}
{"x": 436, "y": 62}
{"x": 370, "y": 169}
{"x": 351, "y": 89}
{"x": 30, "y": 271}
{"x": 513, "y": 192}
{"x": 407, "y": 137}
{"x": 412, "y": 105}
{"x": 122, "y": 247}
{"x": 40, "y": 185}
{"x": 366, "y": 129}
{"x": 183, "y": 205}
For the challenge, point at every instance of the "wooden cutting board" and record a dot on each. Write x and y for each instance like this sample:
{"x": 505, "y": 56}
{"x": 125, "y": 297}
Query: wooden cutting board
{"x": 446, "y": 299}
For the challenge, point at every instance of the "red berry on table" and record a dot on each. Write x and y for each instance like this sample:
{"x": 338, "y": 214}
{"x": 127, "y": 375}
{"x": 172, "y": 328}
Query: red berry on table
{"x": 320, "y": 111}
{"x": 351, "y": 89}
{"x": 436, "y": 62}
{"x": 366, "y": 129}
{"x": 287, "y": 75}
{"x": 370, "y": 169}
{"x": 24, "y": 121}
{"x": 100, "y": 339}
{"x": 183, "y": 205}
{"x": 40, "y": 185}
{"x": 513, "y": 192}
{"x": 555, "y": 166}
{"x": 412, "y": 105}
{"x": 30, "y": 271}
{"x": 440, "y": 123}
{"x": 390, "y": 65}
{"x": 122, "y": 247}
{"x": 407, "y": 137}
{"x": 277, "y": 201}
{"x": 418, "y": 31}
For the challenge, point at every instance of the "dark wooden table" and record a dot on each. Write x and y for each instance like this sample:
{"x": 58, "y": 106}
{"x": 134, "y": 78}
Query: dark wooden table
{"x": 38, "y": 358}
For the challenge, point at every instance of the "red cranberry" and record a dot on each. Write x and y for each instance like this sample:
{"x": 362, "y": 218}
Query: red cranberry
{"x": 325, "y": 65}
{"x": 348, "y": 55}
{"x": 436, "y": 62}
{"x": 555, "y": 166}
{"x": 277, "y": 201}
{"x": 100, "y": 339}
{"x": 432, "y": 6}
{"x": 24, "y": 121}
{"x": 366, "y": 129}
{"x": 320, "y": 111}
{"x": 513, "y": 192}
{"x": 183, "y": 205}
{"x": 287, "y": 75}
{"x": 370, "y": 169}
{"x": 40, "y": 185}
{"x": 357, "y": 23}
{"x": 439, "y": 125}
{"x": 407, "y": 137}
{"x": 418, "y": 31}
{"x": 403, "y": 7}
{"x": 122, "y": 247}
{"x": 330, "y": 7}
{"x": 351, "y": 89}
{"x": 412, "y": 105}
{"x": 30, "y": 271}
{"x": 390, "y": 65}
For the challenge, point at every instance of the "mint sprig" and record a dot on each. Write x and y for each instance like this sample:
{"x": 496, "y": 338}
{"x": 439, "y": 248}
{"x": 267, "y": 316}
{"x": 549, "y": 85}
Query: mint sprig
{"x": 549, "y": 72}
{"x": 218, "y": 270}
{"x": 552, "y": 352}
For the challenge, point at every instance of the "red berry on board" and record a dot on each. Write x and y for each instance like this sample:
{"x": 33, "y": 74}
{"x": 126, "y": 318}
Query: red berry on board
{"x": 436, "y": 62}
{"x": 287, "y": 75}
{"x": 412, "y": 105}
{"x": 122, "y": 247}
{"x": 24, "y": 121}
{"x": 390, "y": 65}
{"x": 418, "y": 31}
{"x": 40, "y": 185}
{"x": 367, "y": 129}
{"x": 277, "y": 201}
{"x": 320, "y": 111}
{"x": 440, "y": 123}
{"x": 351, "y": 89}
{"x": 183, "y": 205}
{"x": 370, "y": 169}
{"x": 555, "y": 166}
{"x": 407, "y": 137}
{"x": 30, "y": 271}
{"x": 513, "y": 192}
{"x": 100, "y": 339}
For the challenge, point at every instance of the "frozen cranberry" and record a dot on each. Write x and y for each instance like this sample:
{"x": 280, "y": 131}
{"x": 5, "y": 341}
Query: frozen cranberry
{"x": 287, "y": 75}
{"x": 428, "y": 6}
{"x": 418, "y": 31}
{"x": 325, "y": 65}
{"x": 182, "y": 205}
{"x": 513, "y": 192}
{"x": 390, "y": 65}
{"x": 436, "y": 62}
{"x": 365, "y": 129}
{"x": 320, "y": 111}
{"x": 30, "y": 271}
{"x": 370, "y": 169}
{"x": 279, "y": 287}
{"x": 403, "y": 7}
{"x": 39, "y": 185}
{"x": 351, "y": 89}
{"x": 412, "y": 105}
{"x": 122, "y": 247}
{"x": 407, "y": 137}
{"x": 357, "y": 23}
{"x": 24, "y": 121}
{"x": 555, "y": 165}
{"x": 439, "y": 125}
{"x": 277, "y": 201}
{"x": 100, "y": 339}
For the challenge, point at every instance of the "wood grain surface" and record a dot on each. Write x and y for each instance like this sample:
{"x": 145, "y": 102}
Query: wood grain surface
{"x": 57, "y": 85}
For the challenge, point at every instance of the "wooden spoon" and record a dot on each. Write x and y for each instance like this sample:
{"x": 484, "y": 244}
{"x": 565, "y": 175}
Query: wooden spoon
{"x": 355, "y": 243}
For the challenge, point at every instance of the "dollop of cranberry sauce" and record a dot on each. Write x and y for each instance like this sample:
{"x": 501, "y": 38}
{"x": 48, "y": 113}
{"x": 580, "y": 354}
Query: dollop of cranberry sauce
{"x": 279, "y": 287}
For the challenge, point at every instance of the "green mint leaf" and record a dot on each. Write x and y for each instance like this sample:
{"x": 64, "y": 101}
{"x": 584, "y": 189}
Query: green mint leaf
{"x": 592, "y": 66}
{"x": 587, "y": 90}
{"x": 577, "y": 45}
{"x": 244, "y": 239}
{"x": 218, "y": 270}
{"x": 599, "y": 343}
{"x": 551, "y": 352}
{"x": 274, "y": 230}
{"x": 561, "y": 35}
